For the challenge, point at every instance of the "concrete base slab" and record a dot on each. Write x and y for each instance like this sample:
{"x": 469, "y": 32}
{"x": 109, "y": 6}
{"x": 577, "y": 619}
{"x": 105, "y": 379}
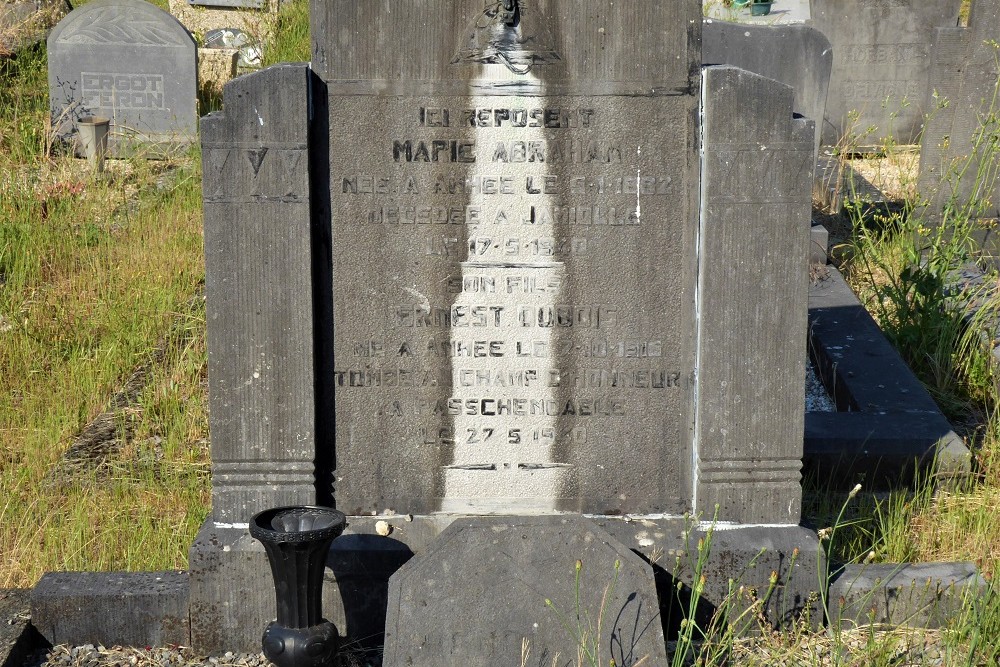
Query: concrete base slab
{"x": 112, "y": 608}
{"x": 232, "y": 597}
{"x": 922, "y": 595}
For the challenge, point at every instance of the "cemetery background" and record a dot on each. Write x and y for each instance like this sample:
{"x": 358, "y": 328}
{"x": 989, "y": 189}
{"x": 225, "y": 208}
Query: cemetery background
{"x": 102, "y": 316}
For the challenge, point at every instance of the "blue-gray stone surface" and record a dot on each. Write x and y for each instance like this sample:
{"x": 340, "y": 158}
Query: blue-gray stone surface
{"x": 487, "y": 590}
{"x": 881, "y": 59}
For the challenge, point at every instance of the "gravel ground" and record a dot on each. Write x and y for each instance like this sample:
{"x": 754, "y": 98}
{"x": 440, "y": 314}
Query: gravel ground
{"x": 817, "y": 398}
{"x": 169, "y": 656}
{"x": 901, "y": 647}
{"x": 99, "y": 656}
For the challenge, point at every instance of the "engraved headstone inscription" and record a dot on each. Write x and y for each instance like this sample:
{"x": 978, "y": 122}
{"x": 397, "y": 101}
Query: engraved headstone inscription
{"x": 956, "y": 160}
{"x": 881, "y": 58}
{"x": 797, "y": 55}
{"x": 128, "y": 61}
{"x": 524, "y": 242}
{"x": 517, "y": 228}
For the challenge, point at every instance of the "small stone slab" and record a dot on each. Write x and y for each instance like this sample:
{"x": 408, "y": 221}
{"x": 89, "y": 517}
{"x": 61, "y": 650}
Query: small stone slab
{"x": 128, "y": 61}
{"x": 112, "y": 608}
{"x": 922, "y": 595}
{"x": 478, "y": 596}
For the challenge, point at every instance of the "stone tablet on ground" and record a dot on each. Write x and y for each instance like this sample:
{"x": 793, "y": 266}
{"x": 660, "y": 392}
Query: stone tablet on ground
{"x": 128, "y": 61}
{"x": 956, "y": 159}
{"x": 881, "y": 58}
{"x": 490, "y": 591}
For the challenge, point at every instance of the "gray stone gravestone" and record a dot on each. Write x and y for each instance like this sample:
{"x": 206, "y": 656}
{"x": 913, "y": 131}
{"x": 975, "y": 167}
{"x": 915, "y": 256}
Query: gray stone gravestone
{"x": 881, "y": 58}
{"x": 260, "y": 359}
{"x": 957, "y": 160}
{"x": 797, "y": 55}
{"x": 511, "y": 273}
{"x": 532, "y": 561}
{"x": 128, "y": 61}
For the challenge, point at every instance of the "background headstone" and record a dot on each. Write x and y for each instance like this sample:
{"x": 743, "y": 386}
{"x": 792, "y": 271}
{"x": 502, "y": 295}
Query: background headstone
{"x": 957, "y": 158}
{"x": 128, "y": 61}
{"x": 881, "y": 58}
{"x": 481, "y": 593}
{"x": 796, "y": 55}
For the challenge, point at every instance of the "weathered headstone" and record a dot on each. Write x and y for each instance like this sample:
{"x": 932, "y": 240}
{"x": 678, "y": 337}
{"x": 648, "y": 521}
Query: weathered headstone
{"x": 541, "y": 562}
{"x": 756, "y": 183}
{"x": 129, "y": 61}
{"x": 511, "y": 254}
{"x": 797, "y": 55}
{"x": 881, "y": 58}
{"x": 510, "y": 237}
{"x": 260, "y": 354}
{"x": 957, "y": 157}
{"x": 511, "y": 272}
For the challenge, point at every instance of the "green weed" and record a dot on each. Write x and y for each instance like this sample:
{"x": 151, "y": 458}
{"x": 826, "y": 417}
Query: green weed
{"x": 293, "y": 27}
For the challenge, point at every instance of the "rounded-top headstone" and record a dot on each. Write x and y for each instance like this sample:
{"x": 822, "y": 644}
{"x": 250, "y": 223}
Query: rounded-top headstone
{"x": 129, "y": 61}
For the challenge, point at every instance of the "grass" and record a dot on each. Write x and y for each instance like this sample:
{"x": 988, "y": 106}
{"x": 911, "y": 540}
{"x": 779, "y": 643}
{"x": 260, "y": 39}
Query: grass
{"x": 94, "y": 273}
{"x": 292, "y": 26}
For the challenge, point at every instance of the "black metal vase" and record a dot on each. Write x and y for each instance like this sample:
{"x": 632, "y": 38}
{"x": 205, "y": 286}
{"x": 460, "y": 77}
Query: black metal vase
{"x": 297, "y": 540}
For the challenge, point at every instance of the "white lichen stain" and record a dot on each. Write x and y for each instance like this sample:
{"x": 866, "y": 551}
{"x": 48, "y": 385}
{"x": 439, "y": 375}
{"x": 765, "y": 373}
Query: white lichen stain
{"x": 425, "y": 303}
{"x": 638, "y": 187}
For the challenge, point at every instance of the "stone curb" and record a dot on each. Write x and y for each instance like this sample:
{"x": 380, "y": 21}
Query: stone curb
{"x": 925, "y": 595}
{"x": 112, "y": 608}
{"x": 18, "y": 637}
{"x": 888, "y": 427}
